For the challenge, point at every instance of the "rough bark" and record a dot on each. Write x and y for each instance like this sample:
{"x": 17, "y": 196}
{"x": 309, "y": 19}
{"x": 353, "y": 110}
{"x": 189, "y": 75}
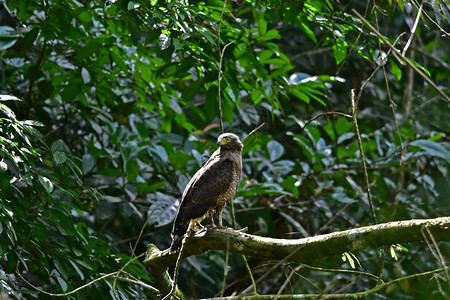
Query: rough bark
{"x": 295, "y": 250}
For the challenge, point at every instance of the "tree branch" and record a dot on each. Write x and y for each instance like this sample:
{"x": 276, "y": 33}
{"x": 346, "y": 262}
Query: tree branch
{"x": 294, "y": 250}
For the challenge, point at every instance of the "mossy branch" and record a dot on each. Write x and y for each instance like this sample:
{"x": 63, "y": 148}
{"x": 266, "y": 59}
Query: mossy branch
{"x": 295, "y": 250}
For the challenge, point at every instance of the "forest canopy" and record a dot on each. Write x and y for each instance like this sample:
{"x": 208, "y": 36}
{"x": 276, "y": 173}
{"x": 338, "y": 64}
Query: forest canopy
{"x": 107, "y": 108}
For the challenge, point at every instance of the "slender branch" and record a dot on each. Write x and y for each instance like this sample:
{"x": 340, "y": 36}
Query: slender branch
{"x": 413, "y": 30}
{"x": 70, "y": 292}
{"x": 294, "y": 250}
{"x": 133, "y": 281}
{"x": 363, "y": 159}
{"x": 326, "y": 114}
{"x": 225, "y": 269}
{"x": 253, "y": 131}
{"x": 344, "y": 271}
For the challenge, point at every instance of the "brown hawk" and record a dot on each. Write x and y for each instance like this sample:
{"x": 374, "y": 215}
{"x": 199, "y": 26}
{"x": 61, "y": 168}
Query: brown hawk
{"x": 210, "y": 188}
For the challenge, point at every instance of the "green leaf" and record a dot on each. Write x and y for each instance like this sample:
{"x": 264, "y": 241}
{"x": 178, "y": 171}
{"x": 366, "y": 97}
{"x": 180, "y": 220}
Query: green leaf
{"x": 57, "y": 146}
{"x": 32, "y": 123}
{"x": 395, "y": 70}
{"x": 307, "y": 31}
{"x": 339, "y": 50}
{"x": 117, "y": 58}
{"x": 276, "y": 150}
{"x": 7, "y": 111}
{"x": 432, "y": 148}
{"x": 5, "y": 181}
{"x": 8, "y": 97}
{"x": 146, "y": 72}
{"x": 261, "y": 21}
{"x": 88, "y": 163}
{"x": 46, "y": 183}
{"x": 270, "y": 35}
{"x": 175, "y": 106}
{"x": 59, "y": 157}
{"x": 345, "y": 137}
{"x": 351, "y": 259}
{"x": 133, "y": 5}
{"x": 265, "y": 55}
{"x": 7, "y": 37}
{"x": 419, "y": 66}
{"x": 346, "y": 256}
{"x": 62, "y": 283}
{"x": 395, "y": 248}
{"x": 143, "y": 187}
{"x": 77, "y": 269}
{"x": 133, "y": 170}
{"x": 343, "y": 126}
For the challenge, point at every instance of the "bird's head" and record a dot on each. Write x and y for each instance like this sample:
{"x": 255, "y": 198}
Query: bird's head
{"x": 229, "y": 141}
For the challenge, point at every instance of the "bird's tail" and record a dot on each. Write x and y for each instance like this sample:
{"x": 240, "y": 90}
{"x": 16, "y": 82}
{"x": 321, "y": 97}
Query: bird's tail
{"x": 178, "y": 232}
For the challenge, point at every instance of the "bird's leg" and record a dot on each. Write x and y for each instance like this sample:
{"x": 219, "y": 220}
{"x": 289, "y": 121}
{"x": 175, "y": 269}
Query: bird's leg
{"x": 211, "y": 216}
{"x": 219, "y": 215}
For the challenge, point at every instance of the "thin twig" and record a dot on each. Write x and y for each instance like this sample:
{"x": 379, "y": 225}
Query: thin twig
{"x": 252, "y": 279}
{"x": 253, "y": 131}
{"x": 136, "y": 282}
{"x": 249, "y": 270}
{"x": 343, "y": 271}
{"x": 326, "y": 114}
{"x": 225, "y": 269}
{"x": 363, "y": 159}
{"x": 285, "y": 283}
{"x": 68, "y": 293}
{"x": 413, "y": 31}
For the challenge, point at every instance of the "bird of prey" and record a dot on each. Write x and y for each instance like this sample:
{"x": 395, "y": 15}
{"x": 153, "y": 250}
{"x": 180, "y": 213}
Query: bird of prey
{"x": 210, "y": 188}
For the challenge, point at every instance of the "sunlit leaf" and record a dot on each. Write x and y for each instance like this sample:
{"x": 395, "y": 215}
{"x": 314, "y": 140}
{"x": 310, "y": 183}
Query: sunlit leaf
{"x": 46, "y": 183}
{"x": 164, "y": 41}
{"x": 270, "y": 35}
{"x": 339, "y": 51}
{"x": 8, "y": 97}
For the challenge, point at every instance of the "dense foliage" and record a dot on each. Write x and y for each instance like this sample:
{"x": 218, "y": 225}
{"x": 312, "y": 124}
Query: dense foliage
{"x": 119, "y": 106}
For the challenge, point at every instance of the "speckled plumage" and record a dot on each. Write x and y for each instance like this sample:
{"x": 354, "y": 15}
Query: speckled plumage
{"x": 210, "y": 188}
